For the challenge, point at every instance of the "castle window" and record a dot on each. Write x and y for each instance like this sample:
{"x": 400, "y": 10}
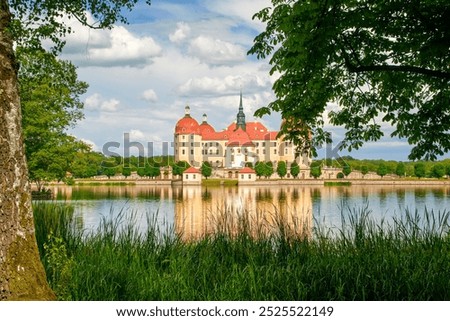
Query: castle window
{"x": 183, "y": 151}
{"x": 217, "y": 152}
{"x": 242, "y": 176}
{"x": 192, "y": 152}
{"x": 274, "y": 144}
{"x": 286, "y": 151}
{"x": 264, "y": 144}
{"x": 249, "y": 176}
{"x": 192, "y": 144}
{"x": 275, "y": 151}
{"x": 210, "y": 144}
{"x": 192, "y": 136}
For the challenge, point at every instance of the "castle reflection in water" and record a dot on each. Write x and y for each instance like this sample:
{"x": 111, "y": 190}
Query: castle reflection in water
{"x": 193, "y": 211}
{"x": 256, "y": 210}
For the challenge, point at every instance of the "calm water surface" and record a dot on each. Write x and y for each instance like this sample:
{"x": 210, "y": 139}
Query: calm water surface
{"x": 196, "y": 210}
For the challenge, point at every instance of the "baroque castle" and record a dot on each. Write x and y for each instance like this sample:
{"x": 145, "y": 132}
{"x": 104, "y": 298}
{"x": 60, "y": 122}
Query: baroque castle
{"x": 239, "y": 144}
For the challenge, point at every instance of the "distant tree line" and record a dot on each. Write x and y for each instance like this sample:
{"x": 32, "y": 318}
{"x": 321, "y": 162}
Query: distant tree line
{"x": 418, "y": 169}
{"x": 85, "y": 163}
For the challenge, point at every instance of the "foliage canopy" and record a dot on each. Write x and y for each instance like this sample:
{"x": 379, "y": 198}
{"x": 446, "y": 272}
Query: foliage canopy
{"x": 381, "y": 62}
{"x": 281, "y": 169}
{"x": 35, "y": 21}
{"x": 50, "y": 100}
{"x": 206, "y": 169}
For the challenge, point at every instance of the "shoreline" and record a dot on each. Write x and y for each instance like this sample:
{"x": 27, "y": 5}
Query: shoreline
{"x": 262, "y": 182}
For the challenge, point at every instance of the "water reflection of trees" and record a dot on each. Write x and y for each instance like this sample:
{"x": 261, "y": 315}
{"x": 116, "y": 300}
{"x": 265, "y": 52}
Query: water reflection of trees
{"x": 316, "y": 193}
{"x": 112, "y": 192}
{"x": 438, "y": 193}
{"x": 206, "y": 195}
{"x": 264, "y": 194}
{"x": 420, "y": 193}
{"x": 295, "y": 194}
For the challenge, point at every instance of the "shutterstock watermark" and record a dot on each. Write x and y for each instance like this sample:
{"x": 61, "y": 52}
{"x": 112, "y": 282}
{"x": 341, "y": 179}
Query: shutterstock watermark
{"x": 195, "y": 152}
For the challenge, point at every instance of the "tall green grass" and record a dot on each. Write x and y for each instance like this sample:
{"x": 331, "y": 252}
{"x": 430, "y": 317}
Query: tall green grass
{"x": 405, "y": 260}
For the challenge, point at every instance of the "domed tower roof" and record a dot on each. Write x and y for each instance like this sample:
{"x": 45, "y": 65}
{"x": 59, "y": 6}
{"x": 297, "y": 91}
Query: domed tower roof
{"x": 204, "y": 127}
{"x": 187, "y": 124}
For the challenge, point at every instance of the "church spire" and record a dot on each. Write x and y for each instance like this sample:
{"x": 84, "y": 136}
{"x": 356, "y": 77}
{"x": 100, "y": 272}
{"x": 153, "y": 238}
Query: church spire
{"x": 240, "y": 115}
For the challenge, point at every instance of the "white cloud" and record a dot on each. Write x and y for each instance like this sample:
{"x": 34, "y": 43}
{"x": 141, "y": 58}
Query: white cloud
{"x": 150, "y": 96}
{"x": 118, "y": 46}
{"x": 90, "y": 143}
{"x": 240, "y": 10}
{"x": 125, "y": 48}
{"x": 181, "y": 33}
{"x": 216, "y": 51}
{"x": 96, "y": 101}
{"x": 213, "y": 86}
{"x": 136, "y": 134}
{"x": 110, "y": 105}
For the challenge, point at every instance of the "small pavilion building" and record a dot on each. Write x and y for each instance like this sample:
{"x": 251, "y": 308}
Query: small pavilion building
{"x": 192, "y": 176}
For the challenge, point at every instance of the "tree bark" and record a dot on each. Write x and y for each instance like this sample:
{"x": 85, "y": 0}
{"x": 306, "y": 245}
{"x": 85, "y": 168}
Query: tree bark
{"x": 22, "y": 276}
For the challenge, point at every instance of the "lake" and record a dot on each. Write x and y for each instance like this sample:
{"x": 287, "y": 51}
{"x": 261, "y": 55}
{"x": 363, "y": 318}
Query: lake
{"x": 194, "y": 210}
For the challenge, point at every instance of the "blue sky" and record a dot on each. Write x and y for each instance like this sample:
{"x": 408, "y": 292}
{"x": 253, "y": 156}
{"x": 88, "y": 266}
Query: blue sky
{"x": 174, "y": 53}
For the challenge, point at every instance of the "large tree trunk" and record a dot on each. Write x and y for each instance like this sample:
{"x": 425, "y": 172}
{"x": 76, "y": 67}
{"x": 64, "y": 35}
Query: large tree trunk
{"x": 22, "y": 275}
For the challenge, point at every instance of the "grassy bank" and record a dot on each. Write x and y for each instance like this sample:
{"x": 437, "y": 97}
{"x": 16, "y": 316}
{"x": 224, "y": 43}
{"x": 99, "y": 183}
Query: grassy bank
{"x": 408, "y": 261}
{"x": 337, "y": 183}
{"x": 219, "y": 182}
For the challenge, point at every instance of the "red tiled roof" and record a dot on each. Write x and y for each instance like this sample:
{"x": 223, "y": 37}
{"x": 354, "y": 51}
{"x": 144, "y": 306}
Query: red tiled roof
{"x": 224, "y": 135}
{"x": 247, "y": 170}
{"x": 187, "y": 125}
{"x": 239, "y": 138}
{"x": 206, "y": 128}
{"x": 254, "y": 131}
{"x": 191, "y": 170}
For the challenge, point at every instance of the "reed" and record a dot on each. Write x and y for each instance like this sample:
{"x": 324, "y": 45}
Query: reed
{"x": 363, "y": 260}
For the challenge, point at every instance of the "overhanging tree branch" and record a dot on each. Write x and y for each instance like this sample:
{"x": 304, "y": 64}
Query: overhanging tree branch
{"x": 395, "y": 68}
